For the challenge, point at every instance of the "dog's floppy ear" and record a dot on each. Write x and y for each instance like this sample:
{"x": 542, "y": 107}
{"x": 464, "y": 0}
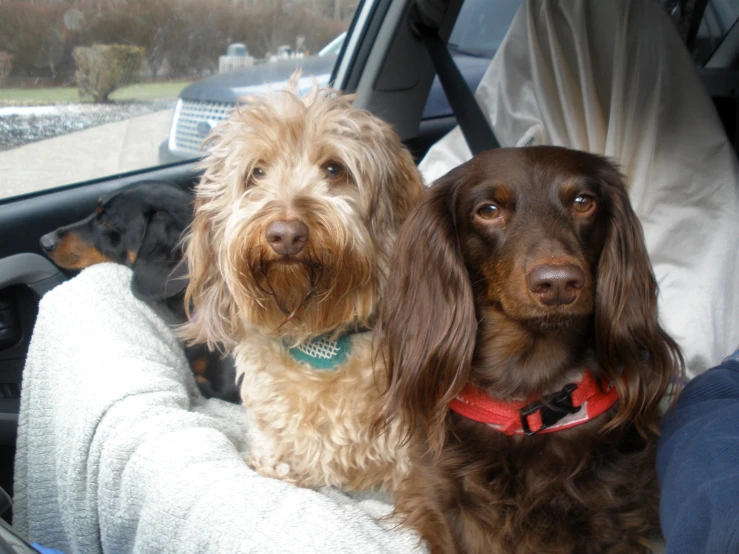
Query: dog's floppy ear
{"x": 406, "y": 186}
{"x": 428, "y": 323}
{"x": 212, "y": 316}
{"x": 157, "y": 270}
{"x": 636, "y": 354}
{"x": 382, "y": 160}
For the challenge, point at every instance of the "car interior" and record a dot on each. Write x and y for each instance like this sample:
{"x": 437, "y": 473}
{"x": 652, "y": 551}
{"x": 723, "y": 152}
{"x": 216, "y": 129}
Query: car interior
{"x": 383, "y": 61}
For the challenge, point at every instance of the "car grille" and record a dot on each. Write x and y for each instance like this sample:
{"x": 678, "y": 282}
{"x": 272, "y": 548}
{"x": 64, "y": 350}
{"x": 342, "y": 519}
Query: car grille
{"x": 193, "y": 121}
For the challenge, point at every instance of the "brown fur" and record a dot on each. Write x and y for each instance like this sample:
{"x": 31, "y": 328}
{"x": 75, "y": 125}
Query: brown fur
{"x": 73, "y": 253}
{"x": 345, "y": 176}
{"x": 458, "y": 310}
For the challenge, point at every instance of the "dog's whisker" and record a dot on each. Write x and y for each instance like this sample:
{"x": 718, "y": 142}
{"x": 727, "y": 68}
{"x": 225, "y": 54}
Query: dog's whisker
{"x": 261, "y": 271}
{"x": 291, "y": 315}
{"x": 257, "y": 283}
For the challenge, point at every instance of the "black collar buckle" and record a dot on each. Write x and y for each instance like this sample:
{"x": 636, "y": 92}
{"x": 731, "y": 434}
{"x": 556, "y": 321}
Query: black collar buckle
{"x": 552, "y": 407}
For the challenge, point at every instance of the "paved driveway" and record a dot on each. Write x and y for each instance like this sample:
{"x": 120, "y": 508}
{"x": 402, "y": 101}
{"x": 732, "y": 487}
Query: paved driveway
{"x": 89, "y": 154}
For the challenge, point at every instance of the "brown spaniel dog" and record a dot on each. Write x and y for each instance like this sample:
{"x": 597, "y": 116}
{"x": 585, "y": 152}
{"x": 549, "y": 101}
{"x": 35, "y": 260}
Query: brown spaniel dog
{"x": 526, "y": 358}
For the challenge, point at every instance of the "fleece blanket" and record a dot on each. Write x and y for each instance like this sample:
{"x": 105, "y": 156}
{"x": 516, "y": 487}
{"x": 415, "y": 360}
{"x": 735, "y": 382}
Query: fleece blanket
{"x": 118, "y": 453}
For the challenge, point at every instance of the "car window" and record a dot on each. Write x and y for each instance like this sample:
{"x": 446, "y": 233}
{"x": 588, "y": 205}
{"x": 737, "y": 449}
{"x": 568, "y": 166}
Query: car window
{"x": 482, "y": 25}
{"x": 94, "y": 89}
{"x": 718, "y": 19}
{"x": 334, "y": 47}
{"x": 480, "y": 28}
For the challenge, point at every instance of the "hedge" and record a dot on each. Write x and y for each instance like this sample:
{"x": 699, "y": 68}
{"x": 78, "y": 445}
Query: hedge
{"x": 103, "y": 68}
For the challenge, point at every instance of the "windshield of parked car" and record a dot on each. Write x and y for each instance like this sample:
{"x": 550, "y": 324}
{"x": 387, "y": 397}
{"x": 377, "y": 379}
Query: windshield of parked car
{"x": 334, "y": 47}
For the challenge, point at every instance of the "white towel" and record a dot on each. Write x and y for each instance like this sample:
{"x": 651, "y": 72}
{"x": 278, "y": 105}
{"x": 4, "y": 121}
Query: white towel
{"x": 118, "y": 453}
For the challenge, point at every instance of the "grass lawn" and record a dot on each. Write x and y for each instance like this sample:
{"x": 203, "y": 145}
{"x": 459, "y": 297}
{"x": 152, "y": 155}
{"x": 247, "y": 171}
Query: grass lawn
{"x": 144, "y": 91}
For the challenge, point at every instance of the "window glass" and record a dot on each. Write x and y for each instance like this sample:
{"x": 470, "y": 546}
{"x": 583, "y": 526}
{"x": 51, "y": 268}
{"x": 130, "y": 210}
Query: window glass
{"x": 480, "y": 28}
{"x": 482, "y": 24}
{"x": 90, "y": 89}
{"x": 718, "y": 19}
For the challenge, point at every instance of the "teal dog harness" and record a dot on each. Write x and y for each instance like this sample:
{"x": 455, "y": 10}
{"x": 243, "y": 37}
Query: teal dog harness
{"x": 323, "y": 353}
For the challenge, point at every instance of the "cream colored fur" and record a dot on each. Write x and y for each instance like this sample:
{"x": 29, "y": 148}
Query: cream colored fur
{"x": 313, "y": 427}
{"x": 275, "y": 159}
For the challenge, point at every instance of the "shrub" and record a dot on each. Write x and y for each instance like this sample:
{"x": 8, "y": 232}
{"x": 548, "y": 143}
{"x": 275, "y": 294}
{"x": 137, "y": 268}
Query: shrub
{"x": 6, "y": 64}
{"x": 103, "y": 68}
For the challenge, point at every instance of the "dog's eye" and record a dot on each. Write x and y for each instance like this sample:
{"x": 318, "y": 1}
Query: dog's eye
{"x": 583, "y": 204}
{"x": 334, "y": 171}
{"x": 488, "y": 211}
{"x": 255, "y": 175}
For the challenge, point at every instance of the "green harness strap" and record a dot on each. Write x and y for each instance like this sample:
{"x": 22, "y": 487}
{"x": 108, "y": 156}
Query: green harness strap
{"x": 323, "y": 353}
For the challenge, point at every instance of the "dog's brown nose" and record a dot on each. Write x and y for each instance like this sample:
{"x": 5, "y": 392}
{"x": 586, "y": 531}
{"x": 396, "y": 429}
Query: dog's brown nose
{"x": 555, "y": 284}
{"x": 287, "y": 237}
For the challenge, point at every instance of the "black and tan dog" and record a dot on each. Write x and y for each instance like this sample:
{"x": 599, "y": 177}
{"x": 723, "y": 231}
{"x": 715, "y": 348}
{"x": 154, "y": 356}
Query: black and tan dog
{"x": 140, "y": 227}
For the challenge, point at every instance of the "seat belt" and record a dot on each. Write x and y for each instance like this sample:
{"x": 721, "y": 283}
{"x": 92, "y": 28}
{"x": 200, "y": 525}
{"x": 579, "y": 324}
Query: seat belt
{"x": 475, "y": 128}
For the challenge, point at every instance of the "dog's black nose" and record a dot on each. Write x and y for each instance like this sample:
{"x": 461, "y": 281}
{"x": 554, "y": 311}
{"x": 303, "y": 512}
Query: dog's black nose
{"x": 555, "y": 285}
{"x": 287, "y": 237}
{"x": 48, "y": 242}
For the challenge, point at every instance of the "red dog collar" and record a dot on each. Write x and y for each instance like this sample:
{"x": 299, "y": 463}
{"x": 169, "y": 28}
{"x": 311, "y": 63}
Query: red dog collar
{"x": 576, "y": 403}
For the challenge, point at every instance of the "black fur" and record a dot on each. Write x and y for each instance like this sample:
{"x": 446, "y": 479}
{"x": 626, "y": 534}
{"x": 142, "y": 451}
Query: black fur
{"x": 141, "y": 227}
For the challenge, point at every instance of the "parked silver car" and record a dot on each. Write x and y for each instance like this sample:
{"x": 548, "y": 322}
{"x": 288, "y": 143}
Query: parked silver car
{"x": 481, "y": 27}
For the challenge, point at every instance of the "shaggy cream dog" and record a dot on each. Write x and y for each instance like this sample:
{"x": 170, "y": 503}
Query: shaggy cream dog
{"x": 296, "y": 215}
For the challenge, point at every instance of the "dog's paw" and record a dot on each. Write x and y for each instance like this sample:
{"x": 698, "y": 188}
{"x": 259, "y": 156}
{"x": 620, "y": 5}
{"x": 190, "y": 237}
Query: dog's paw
{"x": 272, "y": 469}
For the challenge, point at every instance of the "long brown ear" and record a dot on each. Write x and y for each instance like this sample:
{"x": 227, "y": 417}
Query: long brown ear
{"x": 157, "y": 270}
{"x": 211, "y": 314}
{"x": 406, "y": 186}
{"x": 428, "y": 321}
{"x": 636, "y": 354}
{"x": 400, "y": 184}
